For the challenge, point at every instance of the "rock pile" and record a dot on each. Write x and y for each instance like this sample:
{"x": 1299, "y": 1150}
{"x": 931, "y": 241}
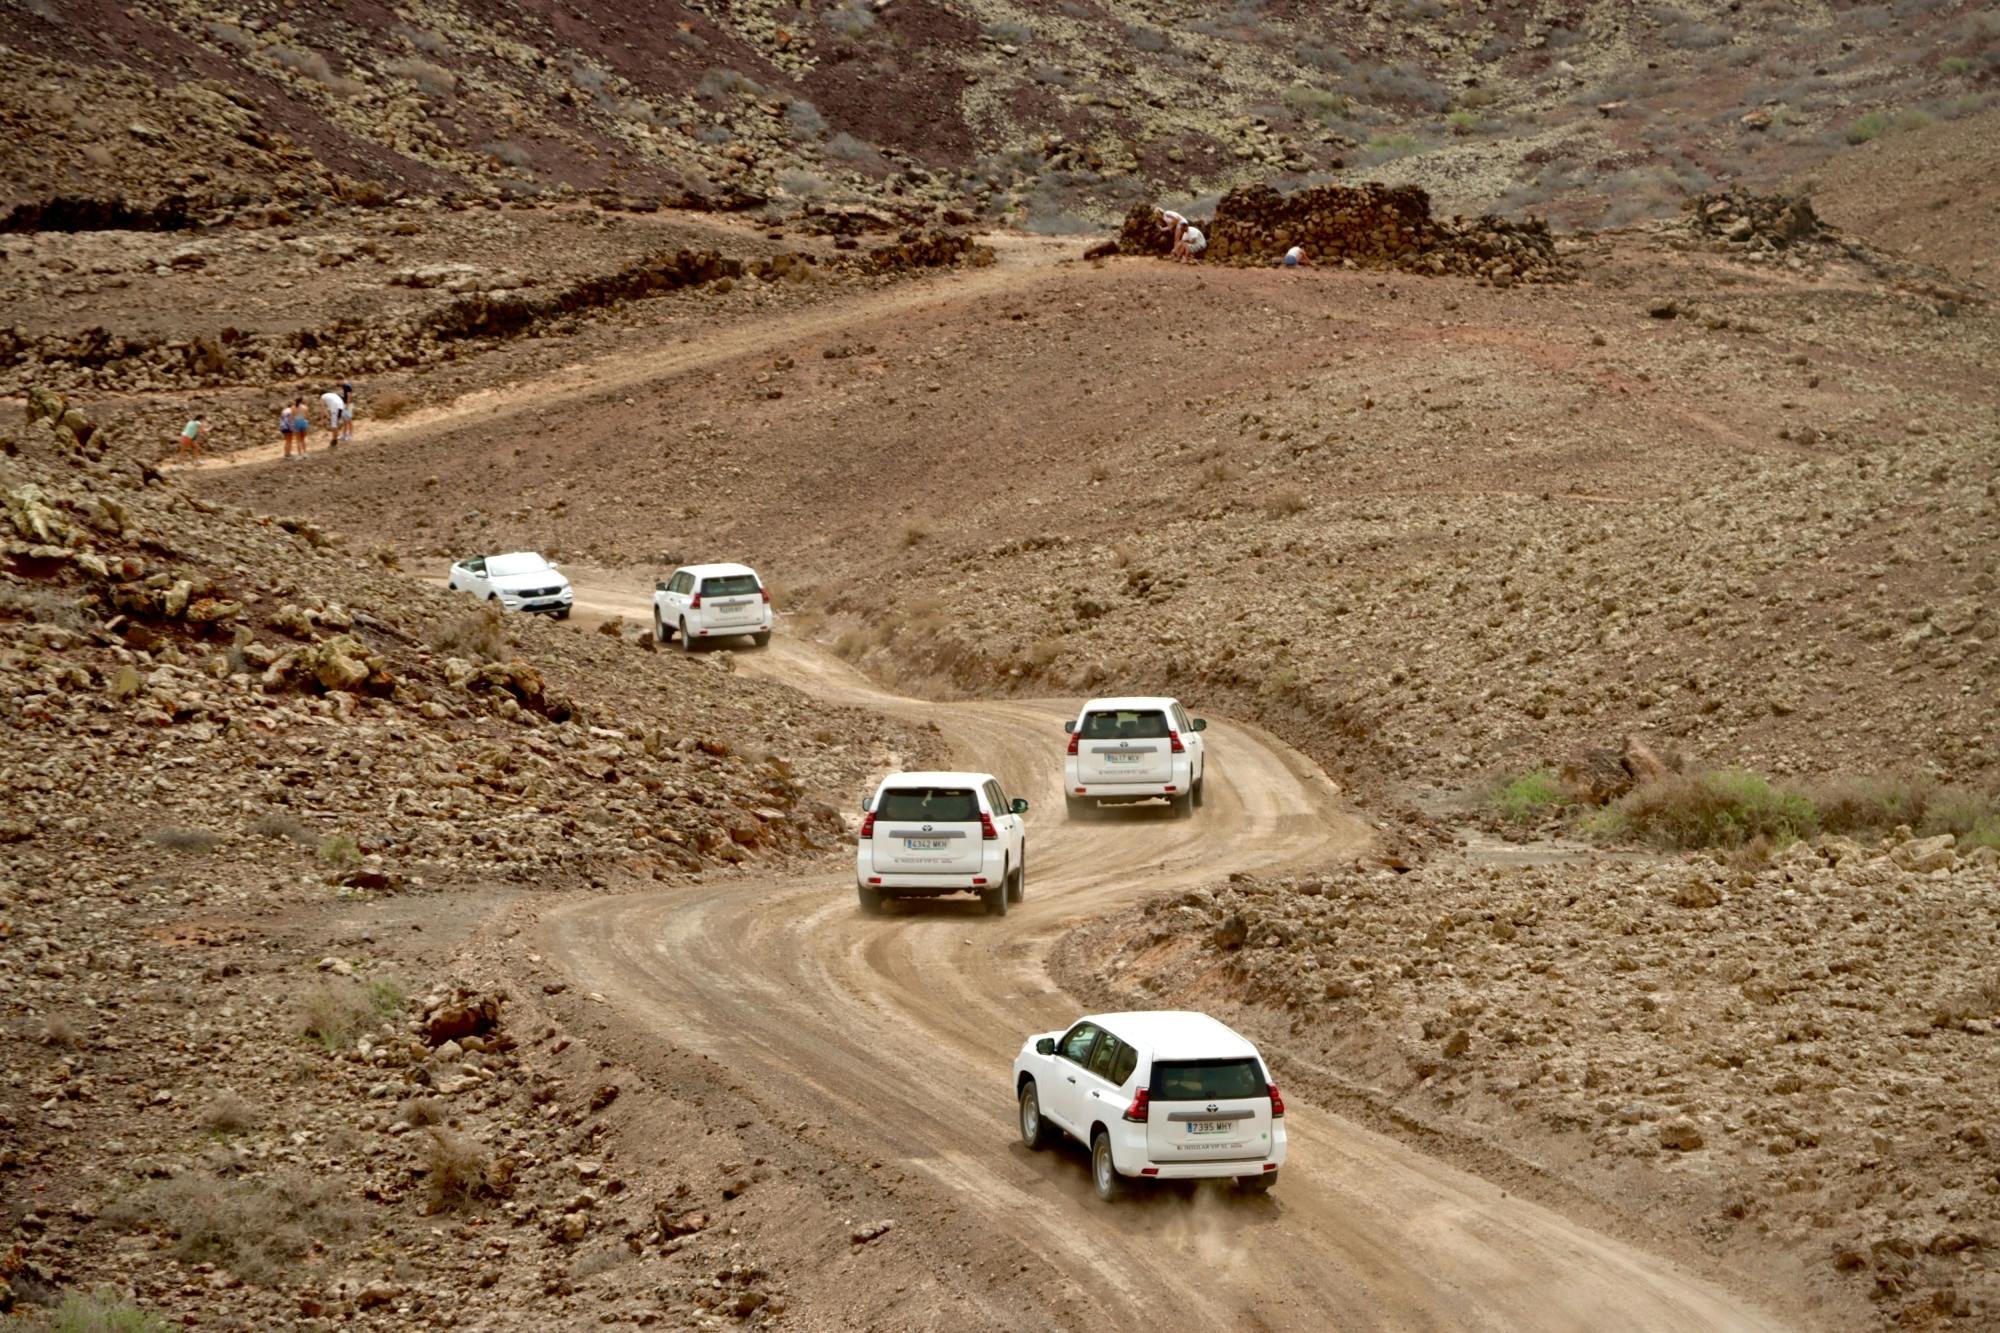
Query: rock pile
{"x": 1365, "y": 226}
{"x": 1819, "y": 1030}
{"x": 1755, "y": 221}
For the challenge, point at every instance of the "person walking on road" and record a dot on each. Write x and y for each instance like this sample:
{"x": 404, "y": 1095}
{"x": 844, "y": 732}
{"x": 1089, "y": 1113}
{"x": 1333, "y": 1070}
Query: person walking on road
{"x": 192, "y": 435}
{"x": 336, "y": 416}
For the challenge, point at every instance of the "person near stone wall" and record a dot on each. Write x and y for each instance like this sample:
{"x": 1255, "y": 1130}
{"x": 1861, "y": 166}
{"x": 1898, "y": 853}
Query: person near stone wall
{"x": 1190, "y": 246}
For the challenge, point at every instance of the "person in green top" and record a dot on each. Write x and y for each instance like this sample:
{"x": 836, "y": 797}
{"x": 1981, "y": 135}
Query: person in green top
{"x": 192, "y": 435}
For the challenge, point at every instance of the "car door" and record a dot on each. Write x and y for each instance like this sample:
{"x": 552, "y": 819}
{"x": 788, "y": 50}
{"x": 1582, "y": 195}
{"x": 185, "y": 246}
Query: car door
{"x": 1197, "y": 744}
{"x": 676, "y": 607}
{"x": 1103, "y": 1083}
{"x": 476, "y": 582}
{"x": 1012, "y": 827}
{"x": 1062, "y": 1100}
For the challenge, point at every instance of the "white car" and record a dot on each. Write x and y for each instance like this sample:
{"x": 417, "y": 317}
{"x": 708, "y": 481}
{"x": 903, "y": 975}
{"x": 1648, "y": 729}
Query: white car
{"x": 1154, "y": 1095}
{"x": 1134, "y": 749}
{"x": 926, "y": 834}
{"x": 711, "y": 602}
{"x": 518, "y": 581}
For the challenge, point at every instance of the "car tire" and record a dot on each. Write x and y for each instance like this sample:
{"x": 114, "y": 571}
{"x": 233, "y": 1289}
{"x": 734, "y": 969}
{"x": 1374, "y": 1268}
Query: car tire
{"x": 1184, "y": 805}
{"x": 1036, "y": 1133}
{"x": 871, "y": 899}
{"x": 1200, "y": 789}
{"x": 1257, "y": 1184}
{"x": 563, "y": 614}
{"x": 1017, "y": 886}
{"x": 995, "y": 898}
{"x": 661, "y": 634}
{"x": 687, "y": 640}
{"x": 1104, "y": 1177}
{"x": 762, "y": 640}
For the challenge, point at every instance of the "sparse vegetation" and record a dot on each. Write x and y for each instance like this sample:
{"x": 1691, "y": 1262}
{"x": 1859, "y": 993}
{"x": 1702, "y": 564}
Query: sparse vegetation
{"x": 1010, "y": 32}
{"x": 914, "y": 534}
{"x": 508, "y": 153}
{"x": 1286, "y": 503}
{"x": 851, "y": 19}
{"x": 1314, "y": 103}
{"x": 59, "y": 1031}
{"x": 338, "y": 850}
{"x": 253, "y": 1228}
{"x": 718, "y": 84}
{"x": 104, "y": 1310}
{"x": 275, "y": 825}
{"x": 1719, "y": 808}
{"x": 421, "y": 1111}
{"x": 1529, "y": 797}
{"x": 455, "y": 1170}
{"x": 228, "y": 1113}
{"x": 805, "y": 184}
{"x": 335, "y": 1012}
{"x": 856, "y": 152}
{"x": 1875, "y": 124}
{"x": 391, "y": 405}
{"x": 435, "y": 80}
{"x": 804, "y": 119}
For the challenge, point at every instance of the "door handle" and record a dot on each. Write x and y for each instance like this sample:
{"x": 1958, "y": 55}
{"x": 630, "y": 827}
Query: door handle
{"x": 1072, "y": 1080}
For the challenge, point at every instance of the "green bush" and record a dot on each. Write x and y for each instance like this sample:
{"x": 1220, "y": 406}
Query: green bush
{"x": 1529, "y": 797}
{"x": 1870, "y": 126}
{"x": 102, "y": 1311}
{"x": 1314, "y": 103}
{"x": 1720, "y": 808}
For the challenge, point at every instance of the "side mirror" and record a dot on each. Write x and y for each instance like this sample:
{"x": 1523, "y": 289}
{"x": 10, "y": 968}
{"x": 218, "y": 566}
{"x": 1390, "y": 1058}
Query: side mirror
{"x": 1070, "y": 726}
{"x": 659, "y": 587}
{"x": 1019, "y": 806}
{"x": 867, "y": 803}
{"x": 1046, "y": 1046}
{"x": 1201, "y": 724}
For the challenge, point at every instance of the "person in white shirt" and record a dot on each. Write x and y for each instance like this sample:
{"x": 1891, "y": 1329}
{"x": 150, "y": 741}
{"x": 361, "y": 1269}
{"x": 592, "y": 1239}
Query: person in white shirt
{"x": 1296, "y": 258}
{"x": 336, "y": 416}
{"x": 1171, "y": 221}
{"x": 1191, "y": 246}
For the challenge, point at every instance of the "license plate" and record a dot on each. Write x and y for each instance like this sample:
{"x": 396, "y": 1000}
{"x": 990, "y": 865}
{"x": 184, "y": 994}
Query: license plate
{"x": 741, "y": 601}
{"x": 1119, "y": 757}
{"x": 923, "y": 844}
{"x": 1210, "y": 1126}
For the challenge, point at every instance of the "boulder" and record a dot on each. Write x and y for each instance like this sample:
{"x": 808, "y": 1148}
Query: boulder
{"x": 1924, "y": 855}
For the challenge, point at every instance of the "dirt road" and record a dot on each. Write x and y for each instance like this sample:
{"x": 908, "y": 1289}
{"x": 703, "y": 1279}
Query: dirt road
{"x": 897, "y": 1032}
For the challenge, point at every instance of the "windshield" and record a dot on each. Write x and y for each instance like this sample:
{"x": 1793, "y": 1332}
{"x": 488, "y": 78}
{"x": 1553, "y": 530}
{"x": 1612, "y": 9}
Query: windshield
{"x": 1201, "y": 1080}
{"x": 937, "y": 805}
{"x": 729, "y": 585}
{"x": 1124, "y": 726}
{"x": 520, "y": 563}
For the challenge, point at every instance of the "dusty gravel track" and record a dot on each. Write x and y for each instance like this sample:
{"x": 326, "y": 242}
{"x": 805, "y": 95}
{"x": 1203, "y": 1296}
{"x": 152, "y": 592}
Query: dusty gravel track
{"x": 828, "y": 1014}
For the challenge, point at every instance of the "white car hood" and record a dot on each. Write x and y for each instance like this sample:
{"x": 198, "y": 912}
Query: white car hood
{"x": 540, "y": 578}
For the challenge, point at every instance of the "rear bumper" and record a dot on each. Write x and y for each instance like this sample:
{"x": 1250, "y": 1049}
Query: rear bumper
{"x": 925, "y": 886}
{"x": 1125, "y": 791}
{"x": 1129, "y": 1148}
{"x": 702, "y": 631}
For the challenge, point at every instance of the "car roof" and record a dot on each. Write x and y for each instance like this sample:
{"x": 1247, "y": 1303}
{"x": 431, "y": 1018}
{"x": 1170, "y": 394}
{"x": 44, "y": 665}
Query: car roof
{"x": 506, "y": 555}
{"x": 1174, "y": 1032}
{"x": 1130, "y": 702}
{"x": 937, "y": 779}
{"x": 716, "y": 571}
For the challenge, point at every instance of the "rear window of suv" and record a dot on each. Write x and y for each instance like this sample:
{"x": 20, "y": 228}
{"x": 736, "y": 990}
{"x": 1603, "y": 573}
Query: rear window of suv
{"x": 1201, "y": 1080}
{"x": 729, "y": 585}
{"x": 1124, "y": 726}
{"x": 934, "y": 804}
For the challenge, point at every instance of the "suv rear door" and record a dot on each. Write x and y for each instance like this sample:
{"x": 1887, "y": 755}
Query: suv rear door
{"x": 1124, "y": 745}
{"x": 922, "y": 830}
{"x": 730, "y": 600}
{"x": 1208, "y": 1111}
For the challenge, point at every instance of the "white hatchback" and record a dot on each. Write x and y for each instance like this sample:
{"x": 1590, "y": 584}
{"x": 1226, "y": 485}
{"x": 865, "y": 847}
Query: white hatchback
{"x": 1154, "y": 1095}
{"x": 1134, "y": 749}
{"x": 712, "y": 602}
{"x": 926, "y": 834}
{"x": 518, "y": 581}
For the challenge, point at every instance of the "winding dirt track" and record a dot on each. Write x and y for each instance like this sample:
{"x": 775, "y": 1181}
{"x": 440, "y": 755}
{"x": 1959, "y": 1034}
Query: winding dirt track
{"x": 898, "y": 1031}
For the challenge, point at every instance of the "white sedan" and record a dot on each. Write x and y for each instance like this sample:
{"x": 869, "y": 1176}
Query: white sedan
{"x": 518, "y": 581}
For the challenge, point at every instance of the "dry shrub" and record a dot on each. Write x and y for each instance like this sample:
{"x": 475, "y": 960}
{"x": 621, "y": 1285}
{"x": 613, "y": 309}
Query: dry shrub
{"x": 1043, "y": 653}
{"x": 1871, "y": 806}
{"x": 184, "y": 839}
{"x": 391, "y": 405}
{"x": 1722, "y": 808}
{"x": 1285, "y": 504}
{"x": 456, "y": 1169}
{"x": 334, "y": 1013}
{"x": 480, "y": 635}
{"x": 276, "y": 827}
{"x": 104, "y": 1310}
{"x": 256, "y": 1229}
{"x": 914, "y": 533}
{"x": 228, "y": 1113}
{"x": 1220, "y": 472}
{"x": 852, "y": 643}
{"x": 432, "y": 79}
{"x": 420, "y": 1111}
{"x": 59, "y": 1031}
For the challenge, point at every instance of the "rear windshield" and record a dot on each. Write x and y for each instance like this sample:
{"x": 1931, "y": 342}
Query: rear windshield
{"x": 1201, "y": 1080}
{"x": 1124, "y": 726}
{"x": 931, "y": 804}
{"x": 728, "y": 585}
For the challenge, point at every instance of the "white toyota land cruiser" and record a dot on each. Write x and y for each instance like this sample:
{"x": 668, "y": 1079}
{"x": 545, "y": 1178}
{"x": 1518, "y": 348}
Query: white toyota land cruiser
{"x": 1136, "y": 749}
{"x": 711, "y": 602}
{"x": 1154, "y": 1095}
{"x": 925, "y": 834}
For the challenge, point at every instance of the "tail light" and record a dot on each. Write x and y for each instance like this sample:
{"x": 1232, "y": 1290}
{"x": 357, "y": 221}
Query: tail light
{"x": 1174, "y": 743}
{"x": 695, "y": 605}
{"x": 986, "y": 829}
{"x": 868, "y": 825}
{"x": 765, "y": 593}
{"x": 1136, "y": 1112}
{"x": 1277, "y": 1102}
{"x": 1073, "y": 737}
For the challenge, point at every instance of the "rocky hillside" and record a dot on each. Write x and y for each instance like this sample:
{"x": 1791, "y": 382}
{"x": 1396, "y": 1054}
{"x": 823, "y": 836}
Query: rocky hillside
{"x": 1037, "y": 111}
{"x": 1793, "y": 1059}
{"x": 258, "y": 788}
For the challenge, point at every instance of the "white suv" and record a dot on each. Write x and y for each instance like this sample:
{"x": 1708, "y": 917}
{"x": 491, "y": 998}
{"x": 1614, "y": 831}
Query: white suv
{"x": 1136, "y": 749}
{"x": 518, "y": 581}
{"x": 1155, "y": 1095}
{"x": 925, "y": 834}
{"x": 711, "y": 602}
